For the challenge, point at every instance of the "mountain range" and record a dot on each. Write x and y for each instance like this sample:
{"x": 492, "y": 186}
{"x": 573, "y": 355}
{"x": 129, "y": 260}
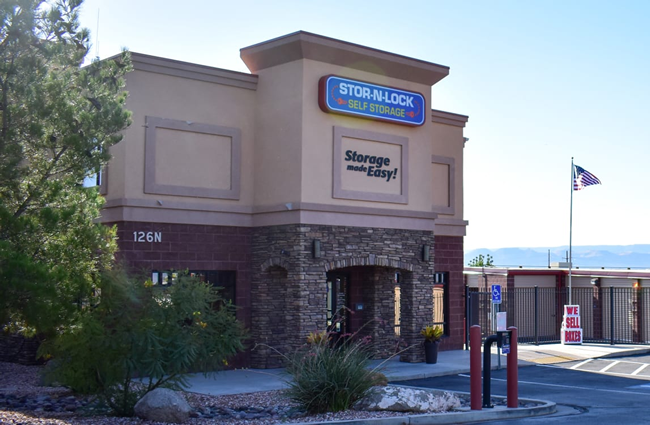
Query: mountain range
{"x": 588, "y": 256}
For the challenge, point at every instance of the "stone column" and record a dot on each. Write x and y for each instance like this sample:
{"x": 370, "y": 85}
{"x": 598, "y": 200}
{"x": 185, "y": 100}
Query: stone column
{"x": 416, "y": 306}
{"x": 380, "y": 284}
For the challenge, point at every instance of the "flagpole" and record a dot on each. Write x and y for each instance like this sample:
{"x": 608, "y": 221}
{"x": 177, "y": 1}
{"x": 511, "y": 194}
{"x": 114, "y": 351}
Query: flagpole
{"x": 571, "y": 229}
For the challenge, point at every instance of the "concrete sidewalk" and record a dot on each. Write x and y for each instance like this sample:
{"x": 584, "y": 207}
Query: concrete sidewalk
{"x": 449, "y": 363}
{"x": 558, "y": 353}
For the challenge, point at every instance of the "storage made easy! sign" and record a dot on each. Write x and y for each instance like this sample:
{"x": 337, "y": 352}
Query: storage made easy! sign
{"x": 366, "y": 100}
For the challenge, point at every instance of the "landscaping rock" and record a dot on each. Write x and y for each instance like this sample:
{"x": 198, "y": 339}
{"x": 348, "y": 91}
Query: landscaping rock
{"x": 163, "y": 405}
{"x": 399, "y": 399}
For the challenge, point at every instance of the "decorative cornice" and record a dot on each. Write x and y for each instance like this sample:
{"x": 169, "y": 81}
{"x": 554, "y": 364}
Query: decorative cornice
{"x": 158, "y": 65}
{"x": 176, "y": 205}
{"x": 305, "y": 45}
{"x": 295, "y": 206}
{"x": 442, "y": 117}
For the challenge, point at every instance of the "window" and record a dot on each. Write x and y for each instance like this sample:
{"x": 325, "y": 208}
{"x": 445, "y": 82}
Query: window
{"x": 441, "y": 300}
{"x": 224, "y": 279}
{"x": 93, "y": 180}
{"x": 94, "y": 177}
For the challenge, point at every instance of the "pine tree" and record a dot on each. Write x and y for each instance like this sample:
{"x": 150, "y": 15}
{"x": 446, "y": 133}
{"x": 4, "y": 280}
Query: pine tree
{"x": 58, "y": 120}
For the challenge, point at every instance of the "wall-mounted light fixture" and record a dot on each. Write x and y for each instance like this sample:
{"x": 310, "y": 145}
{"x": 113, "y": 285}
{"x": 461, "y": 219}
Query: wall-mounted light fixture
{"x": 426, "y": 251}
{"x": 315, "y": 248}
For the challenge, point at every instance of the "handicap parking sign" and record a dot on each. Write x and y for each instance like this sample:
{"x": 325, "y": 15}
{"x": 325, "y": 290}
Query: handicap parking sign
{"x": 496, "y": 294}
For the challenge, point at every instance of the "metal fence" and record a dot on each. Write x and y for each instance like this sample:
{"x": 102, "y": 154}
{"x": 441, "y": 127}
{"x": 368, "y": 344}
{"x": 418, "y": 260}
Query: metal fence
{"x": 607, "y": 315}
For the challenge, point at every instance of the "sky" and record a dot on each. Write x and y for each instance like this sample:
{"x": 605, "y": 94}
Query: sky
{"x": 542, "y": 81}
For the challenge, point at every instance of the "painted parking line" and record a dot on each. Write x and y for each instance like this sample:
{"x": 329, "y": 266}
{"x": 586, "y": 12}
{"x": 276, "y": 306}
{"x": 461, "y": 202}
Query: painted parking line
{"x": 636, "y": 372}
{"x": 565, "y": 386}
{"x": 608, "y": 367}
{"x": 575, "y": 366}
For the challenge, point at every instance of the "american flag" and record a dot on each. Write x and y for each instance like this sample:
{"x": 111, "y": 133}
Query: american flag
{"x": 583, "y": 178}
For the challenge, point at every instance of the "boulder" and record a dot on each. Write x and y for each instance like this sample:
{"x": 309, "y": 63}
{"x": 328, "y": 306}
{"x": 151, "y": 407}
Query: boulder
{"x": 400, "y": 399}
{"x": 163, "y": 405}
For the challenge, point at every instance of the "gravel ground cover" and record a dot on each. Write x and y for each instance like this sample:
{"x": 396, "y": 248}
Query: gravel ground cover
{"x": 23, "y": 401}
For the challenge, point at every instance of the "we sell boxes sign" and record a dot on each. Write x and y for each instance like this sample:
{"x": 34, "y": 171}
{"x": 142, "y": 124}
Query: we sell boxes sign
{"x": 571, "y": 332}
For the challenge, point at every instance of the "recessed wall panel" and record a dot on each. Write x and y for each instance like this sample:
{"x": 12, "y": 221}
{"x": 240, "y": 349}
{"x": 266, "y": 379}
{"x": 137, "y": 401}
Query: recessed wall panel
{"x": 185, "y": 158}
{"x": 370, "y": 166}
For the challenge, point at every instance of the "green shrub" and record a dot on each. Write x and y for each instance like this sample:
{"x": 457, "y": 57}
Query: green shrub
{"x": 138, "y": 330}
{"x": 331, "y": 377}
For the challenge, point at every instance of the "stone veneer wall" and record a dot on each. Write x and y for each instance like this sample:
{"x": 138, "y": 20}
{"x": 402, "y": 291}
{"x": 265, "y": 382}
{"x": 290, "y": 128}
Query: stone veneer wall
{"x": 379, "y": 291}
{"x": 449, "y": 258}
{"x": 289, "y": 286}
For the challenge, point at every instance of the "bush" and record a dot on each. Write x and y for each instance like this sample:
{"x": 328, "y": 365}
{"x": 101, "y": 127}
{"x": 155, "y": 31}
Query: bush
{"x": 331, "y": 377}
{"x": 143, "y": 331}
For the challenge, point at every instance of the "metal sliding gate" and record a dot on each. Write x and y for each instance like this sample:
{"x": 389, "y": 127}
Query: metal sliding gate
{"x": 607, "y": 315}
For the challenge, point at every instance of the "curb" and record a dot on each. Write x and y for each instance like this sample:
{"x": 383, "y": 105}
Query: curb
{"x": 413, "y": 376}
{"x": 464, "y": 416}
{"x": 625, "y": 353}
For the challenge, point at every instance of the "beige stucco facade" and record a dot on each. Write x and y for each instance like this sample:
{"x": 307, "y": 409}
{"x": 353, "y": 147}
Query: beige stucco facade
{"x": 282, "y": 129}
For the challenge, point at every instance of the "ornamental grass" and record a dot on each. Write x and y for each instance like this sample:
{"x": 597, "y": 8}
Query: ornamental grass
{"x": 331, "y": 376}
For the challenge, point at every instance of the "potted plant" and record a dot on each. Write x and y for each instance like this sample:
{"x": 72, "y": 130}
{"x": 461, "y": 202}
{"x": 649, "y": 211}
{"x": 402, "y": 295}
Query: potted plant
{"x": 432, "y": 335}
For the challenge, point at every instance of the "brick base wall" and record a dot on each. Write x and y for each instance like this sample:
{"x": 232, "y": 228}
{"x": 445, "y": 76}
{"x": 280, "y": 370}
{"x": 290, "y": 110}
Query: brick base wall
{"x": 193, "y": 247}
{"x": 448, "y": 254}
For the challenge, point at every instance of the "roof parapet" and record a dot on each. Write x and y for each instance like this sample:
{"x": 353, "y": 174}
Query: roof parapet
{"x": 305, "y": 45}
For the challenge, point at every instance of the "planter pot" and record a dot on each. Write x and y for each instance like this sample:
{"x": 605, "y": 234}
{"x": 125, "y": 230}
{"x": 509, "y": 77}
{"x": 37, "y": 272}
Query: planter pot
{"x": 431, "y": 351}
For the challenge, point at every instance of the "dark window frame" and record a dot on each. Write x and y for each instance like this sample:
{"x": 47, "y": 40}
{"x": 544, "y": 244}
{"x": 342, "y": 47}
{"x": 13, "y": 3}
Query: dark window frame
{"x": 226, "y": 280}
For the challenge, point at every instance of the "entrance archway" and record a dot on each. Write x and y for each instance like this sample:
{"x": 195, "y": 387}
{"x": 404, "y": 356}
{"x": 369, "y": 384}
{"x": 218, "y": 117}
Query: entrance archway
{"x": 361, "y": 304}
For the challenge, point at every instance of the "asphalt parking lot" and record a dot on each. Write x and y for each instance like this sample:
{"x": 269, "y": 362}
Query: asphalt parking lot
{"x": 588, "y": 391}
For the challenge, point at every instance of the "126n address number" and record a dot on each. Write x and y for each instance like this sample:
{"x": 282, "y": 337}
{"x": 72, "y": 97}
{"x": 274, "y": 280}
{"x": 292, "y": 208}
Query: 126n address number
{"x": 147, "y": 236}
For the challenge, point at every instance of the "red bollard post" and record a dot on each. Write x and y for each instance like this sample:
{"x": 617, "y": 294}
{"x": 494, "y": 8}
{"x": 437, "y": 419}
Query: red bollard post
{"x": 475, "y": 367}
{"x": 513, "y": 372}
